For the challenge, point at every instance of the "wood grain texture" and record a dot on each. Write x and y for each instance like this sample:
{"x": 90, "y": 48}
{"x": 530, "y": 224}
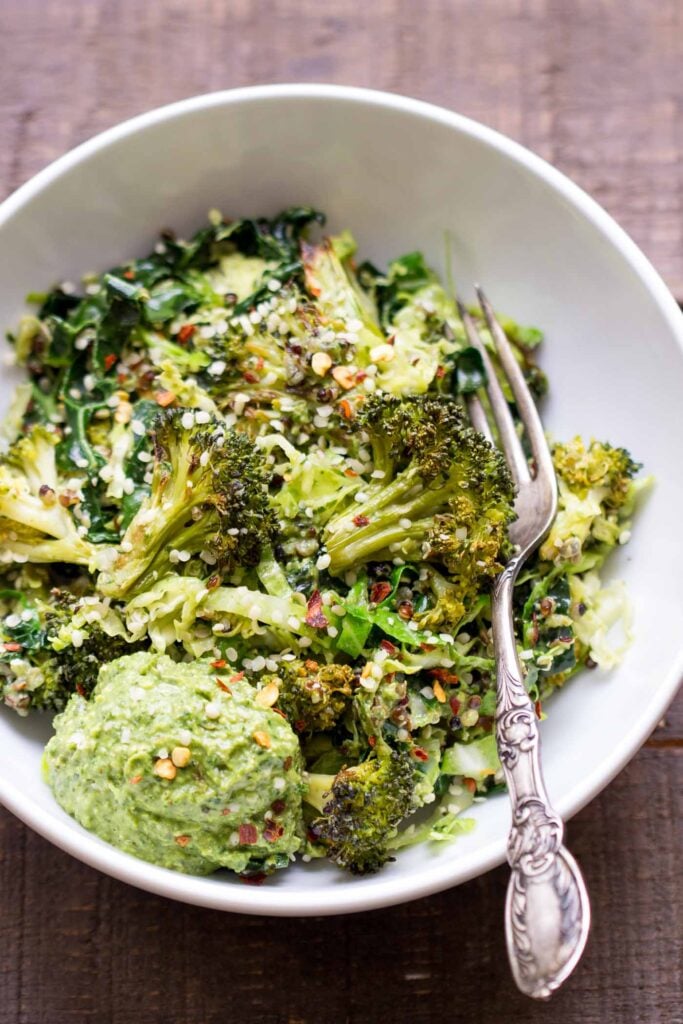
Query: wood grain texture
{"x": 596, "y": 87}
{"x": 593, "y": 85}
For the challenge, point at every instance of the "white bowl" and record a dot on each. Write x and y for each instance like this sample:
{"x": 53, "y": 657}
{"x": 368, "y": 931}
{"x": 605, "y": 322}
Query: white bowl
{"x": 399, "y": 174}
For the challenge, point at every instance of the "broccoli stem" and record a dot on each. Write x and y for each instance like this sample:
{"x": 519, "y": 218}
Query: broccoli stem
{"x": 371, "y": 541}
{"x": 386, "y": 507}
{"x": 319, "y": 790}
{"x": 33, "y": 513}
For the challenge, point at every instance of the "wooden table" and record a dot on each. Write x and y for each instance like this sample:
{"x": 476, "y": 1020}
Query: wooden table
{"x": 596, "y": 87}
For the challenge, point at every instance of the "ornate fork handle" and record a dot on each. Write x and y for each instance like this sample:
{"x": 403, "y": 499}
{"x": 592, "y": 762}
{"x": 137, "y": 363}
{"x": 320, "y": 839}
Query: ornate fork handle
{"x": 547, "y": 913}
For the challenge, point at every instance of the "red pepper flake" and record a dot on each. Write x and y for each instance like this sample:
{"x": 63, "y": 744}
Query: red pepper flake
{"x": 121, "y": 378}
{"x": 219, "y": 663}
{"x": 346, "y": 409}
{"x": 109, "y": 361}
{"x": 420, "y": 753}
{"x": 134, "y": 781}
{"x": 237, "y": 676}
{"x": 248, "y": 835}
{"x": 185, "y": 333}
{"x": 251, "y": 378}
{"x": 287, "y": 763}
{"x": 360, "y": 376}
{"x": 444, "y": 676}
{"x": 350, "y": 472}
{"x": 129, "y": 275}
{"x": 278, "y": 806}
{"x": 379, "y": 592}
{"x": 314, "y": 611}
{"x": 387, "y": 646}
{"x": 470, "y": 784}
{"x": 372, "y": 740}
{"x": 539, "y": 708}
{"x": 360, "y": 520}
{"x": 440, "y": 372}
{"x": 405, "y": 610}
{"x": 455, "y": 705}
{"x": 273, "y": 831}
{"x": 12, "y": 645}
{"x": 182, "y": 840}
{"x": 225, "y": 811}
{"x": 223, "y": 686}
{"x": 80, "y": 690}
{"x": 213, "y": 582}
{"x": 253, "y": 879}
{"x": 427, "y": 647}
{"x": 259, "y": 363}
{"x": 300, "y": 725}
{"x": 164, "y": 398}
{"x": 280, "y": 713}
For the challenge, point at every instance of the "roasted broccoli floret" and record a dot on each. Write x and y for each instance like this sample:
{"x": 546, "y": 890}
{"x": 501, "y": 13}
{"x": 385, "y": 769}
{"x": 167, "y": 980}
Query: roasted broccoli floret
{"x": 444, "y": 494}
{"x": 208, "y": 499}
{"x": 36, "y": 523}
{"x": 598, "y": 465}
{"x": 595, "y": 497}
{"x": 313, "y": 696}
{"x": 445, "y": 608}
{"x": 360, "y": 814}
{"x": 52, "y": 648}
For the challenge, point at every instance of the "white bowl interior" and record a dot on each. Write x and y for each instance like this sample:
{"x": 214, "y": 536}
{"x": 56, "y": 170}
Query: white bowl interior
{"x": 400, "y": 175}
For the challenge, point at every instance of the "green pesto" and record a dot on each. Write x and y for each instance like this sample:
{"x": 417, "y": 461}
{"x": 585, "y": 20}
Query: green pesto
{"x": 100, "y": 764}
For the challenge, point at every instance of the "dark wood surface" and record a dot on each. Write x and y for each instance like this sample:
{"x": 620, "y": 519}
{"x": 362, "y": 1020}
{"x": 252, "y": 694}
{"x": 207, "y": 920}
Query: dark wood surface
{"x": 596, "y": 86}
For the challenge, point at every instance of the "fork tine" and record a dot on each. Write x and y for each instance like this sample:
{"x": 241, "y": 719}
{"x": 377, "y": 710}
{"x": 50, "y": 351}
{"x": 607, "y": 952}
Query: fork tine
{"x": 525, "y": 403}
{"x": 510, "y": 442}
{"x": 477, "y": 415}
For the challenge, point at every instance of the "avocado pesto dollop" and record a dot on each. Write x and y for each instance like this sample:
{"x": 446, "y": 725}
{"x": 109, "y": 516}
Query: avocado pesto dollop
{"x": 174, "y": 767}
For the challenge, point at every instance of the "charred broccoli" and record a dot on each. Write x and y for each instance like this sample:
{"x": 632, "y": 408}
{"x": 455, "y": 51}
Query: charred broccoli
{"x": 360, "y": 814}
{"x": 445, "y": 606}
{"x": 442, "y": 493}
{"x": 595, "y": 497}
{"x": 598, "y": 465}
{"x": 313, "y": 696}
{"x": 53, "y": 648}
{"x": 209, "y": 499}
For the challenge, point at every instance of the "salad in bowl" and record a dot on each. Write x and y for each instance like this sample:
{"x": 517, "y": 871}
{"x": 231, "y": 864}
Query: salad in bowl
{"x": 248, "y": 538}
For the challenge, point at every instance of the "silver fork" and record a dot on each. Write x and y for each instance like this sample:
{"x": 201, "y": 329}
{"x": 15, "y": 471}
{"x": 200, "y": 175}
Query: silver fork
{"x": 547, "y": 913}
